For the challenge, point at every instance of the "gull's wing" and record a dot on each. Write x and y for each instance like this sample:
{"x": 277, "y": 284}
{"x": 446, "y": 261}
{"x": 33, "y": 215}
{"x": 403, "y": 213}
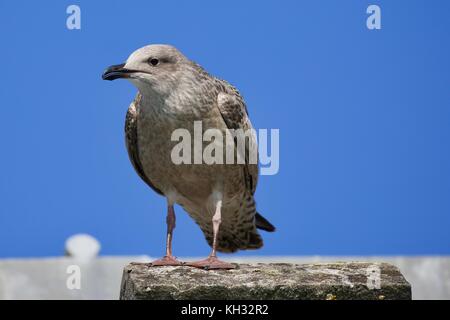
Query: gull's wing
{"x": 131, "y": 141}
{"x": 234, "y": 113}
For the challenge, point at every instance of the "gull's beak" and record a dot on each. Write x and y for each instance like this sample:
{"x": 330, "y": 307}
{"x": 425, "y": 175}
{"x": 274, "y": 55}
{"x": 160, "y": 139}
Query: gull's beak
{"x": 115, "y": 72}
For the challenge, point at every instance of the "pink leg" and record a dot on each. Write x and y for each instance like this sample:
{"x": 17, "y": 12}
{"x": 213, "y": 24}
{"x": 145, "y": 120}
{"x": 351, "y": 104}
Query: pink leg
{"x": 212, "y": 262}
{"x": 168, "y": 259}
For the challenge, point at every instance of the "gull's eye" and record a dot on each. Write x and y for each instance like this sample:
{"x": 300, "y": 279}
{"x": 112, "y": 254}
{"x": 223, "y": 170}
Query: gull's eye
{"x": 153, "y": 61}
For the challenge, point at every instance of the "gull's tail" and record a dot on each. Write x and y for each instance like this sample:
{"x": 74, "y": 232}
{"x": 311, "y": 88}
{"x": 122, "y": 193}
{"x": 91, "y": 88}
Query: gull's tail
{"x": 238, "y": 230}
{"x": 263, "y": 224}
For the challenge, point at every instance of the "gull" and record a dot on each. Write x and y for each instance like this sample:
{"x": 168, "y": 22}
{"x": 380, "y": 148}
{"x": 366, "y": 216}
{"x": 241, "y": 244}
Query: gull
{"x": 173, "y": 93}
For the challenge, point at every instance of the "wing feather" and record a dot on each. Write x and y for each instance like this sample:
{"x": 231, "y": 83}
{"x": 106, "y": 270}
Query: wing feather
{"x": 234, "y": 113}
{"x": 132, "y": 143}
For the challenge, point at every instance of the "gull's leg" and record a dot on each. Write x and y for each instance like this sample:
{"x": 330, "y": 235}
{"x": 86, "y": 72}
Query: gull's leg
{"x": 212, "y": 262}
{"x": 168, "y": 259}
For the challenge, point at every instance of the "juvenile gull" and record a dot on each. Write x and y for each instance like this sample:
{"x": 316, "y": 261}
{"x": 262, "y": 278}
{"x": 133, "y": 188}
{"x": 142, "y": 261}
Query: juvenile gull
{"x": 173, "y": 93}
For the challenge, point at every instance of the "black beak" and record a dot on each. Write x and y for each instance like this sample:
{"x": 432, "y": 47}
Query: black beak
{"x": 115, "y": 72}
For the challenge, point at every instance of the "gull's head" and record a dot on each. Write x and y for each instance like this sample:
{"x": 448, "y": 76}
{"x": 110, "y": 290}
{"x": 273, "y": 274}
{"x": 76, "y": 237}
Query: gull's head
{"x": 153, "y": 68}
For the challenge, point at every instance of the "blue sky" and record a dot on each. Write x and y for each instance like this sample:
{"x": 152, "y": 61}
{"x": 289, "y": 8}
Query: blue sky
{"x": 364, "y": 119}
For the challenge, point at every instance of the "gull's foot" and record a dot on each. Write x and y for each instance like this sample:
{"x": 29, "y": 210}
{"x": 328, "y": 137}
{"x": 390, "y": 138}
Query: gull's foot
{"x": 211, "y": 263}
{"x": 166, "y": 261}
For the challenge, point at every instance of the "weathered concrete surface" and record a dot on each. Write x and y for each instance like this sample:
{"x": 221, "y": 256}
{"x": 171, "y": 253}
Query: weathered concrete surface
{"x": 344, "y": 280}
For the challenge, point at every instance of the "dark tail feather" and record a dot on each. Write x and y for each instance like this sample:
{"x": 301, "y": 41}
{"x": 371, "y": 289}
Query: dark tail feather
{"x": 263, "y": 224}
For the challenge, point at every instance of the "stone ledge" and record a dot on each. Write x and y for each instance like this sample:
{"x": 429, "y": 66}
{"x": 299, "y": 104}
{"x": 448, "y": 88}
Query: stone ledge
{"x": 340, "y": 281}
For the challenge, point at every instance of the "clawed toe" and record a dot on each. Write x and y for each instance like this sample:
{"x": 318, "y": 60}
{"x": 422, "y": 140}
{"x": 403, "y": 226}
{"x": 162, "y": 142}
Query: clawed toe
{"x": 166, "y": 261}
{"x": 211, "y": 263}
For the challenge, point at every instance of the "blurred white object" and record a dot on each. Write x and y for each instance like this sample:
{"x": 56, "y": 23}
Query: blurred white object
{"x": 82, "y": 247}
